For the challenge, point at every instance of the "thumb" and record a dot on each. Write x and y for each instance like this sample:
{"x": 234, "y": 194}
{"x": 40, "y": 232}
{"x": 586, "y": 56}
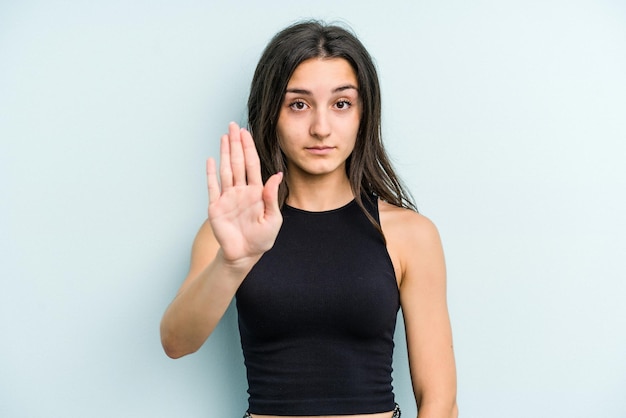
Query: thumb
{"x": 270, "y": 195}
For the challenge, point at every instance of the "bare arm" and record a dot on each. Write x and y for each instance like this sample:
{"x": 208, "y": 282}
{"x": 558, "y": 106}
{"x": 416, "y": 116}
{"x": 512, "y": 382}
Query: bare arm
{"x": 415, "y": 246}
{"x": 243, "y": 222}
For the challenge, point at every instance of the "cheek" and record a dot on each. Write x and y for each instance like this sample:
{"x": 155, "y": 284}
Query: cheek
{"x": 356, "y": 126}
{"x": 356, "y": 122}
{"x": 291, "y": 134}
{"x": 280, "y": 135}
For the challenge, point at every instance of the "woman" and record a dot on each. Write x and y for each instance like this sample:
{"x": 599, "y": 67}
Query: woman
{"x": 312, "y": 231}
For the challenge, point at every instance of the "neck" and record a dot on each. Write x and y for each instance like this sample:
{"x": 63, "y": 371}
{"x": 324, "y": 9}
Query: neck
{"x": 319, "y": 194}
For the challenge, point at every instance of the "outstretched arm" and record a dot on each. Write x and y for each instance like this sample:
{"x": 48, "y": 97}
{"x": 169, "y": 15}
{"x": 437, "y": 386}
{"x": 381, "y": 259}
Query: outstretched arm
{"x": 243, "y": 222}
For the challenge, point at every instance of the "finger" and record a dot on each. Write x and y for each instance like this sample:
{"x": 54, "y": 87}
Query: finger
{"x": 270, "y": 195}
{"x": 237, "y": 162}
{"x": 211, "y": 179}
{"x": 226, "y": 174}
{"x": 253, "y": 165}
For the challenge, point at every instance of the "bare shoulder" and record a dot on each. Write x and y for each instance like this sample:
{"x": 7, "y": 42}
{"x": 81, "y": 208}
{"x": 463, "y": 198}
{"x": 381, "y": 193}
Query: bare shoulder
{"x": 412, "y": 238}
{"x": 405, "y": 225}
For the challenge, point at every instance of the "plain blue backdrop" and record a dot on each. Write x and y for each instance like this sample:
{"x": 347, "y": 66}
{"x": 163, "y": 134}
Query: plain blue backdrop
{"x": 505, "y": 118}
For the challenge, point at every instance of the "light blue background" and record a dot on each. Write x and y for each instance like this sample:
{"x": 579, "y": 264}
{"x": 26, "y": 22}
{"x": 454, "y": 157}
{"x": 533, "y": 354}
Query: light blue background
{"x": 505, "y": 118}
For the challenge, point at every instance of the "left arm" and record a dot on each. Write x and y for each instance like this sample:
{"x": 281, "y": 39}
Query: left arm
{"x": 414, "y": 244}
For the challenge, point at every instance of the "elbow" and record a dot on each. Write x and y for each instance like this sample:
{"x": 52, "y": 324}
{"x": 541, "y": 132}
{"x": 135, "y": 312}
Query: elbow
{"x": 173, "y": 349}
{"x": 452, "y": 410}
{"x": 455, "y": 411}
{"x": 172, "y": 345}
{"x": 443, "y": 409}
{"x": 170, "y": 348}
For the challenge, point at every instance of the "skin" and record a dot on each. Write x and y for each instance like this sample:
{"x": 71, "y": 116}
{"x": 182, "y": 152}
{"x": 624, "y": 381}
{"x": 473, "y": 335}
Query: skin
{"x": 317, "y": 129}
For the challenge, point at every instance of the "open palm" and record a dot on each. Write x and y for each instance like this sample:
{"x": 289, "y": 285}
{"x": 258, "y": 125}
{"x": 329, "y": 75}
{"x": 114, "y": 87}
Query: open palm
{"x": 244, "y": 214}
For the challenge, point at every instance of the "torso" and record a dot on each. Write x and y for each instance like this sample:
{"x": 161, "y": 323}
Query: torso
{"x": 366, "y": 314}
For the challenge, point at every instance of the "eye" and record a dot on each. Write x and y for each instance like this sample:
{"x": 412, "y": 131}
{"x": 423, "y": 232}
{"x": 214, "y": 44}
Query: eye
{"x": 298, "y": 105}
{"x": 343, "y": 104}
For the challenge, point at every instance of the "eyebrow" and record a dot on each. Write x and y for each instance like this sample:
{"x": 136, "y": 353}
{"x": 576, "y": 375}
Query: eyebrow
{"x": 309, "y": 93}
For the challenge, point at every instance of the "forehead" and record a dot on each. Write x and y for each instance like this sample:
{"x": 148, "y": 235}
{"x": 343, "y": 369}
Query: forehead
{"x": 323, "y": 72}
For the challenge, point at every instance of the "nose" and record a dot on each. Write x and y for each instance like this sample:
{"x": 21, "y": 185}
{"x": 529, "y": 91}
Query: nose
{"x": 320, "y": 124}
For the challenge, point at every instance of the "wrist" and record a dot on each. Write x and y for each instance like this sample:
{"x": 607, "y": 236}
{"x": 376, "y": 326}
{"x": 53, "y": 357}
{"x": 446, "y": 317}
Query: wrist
{"x": 238, "y": 268}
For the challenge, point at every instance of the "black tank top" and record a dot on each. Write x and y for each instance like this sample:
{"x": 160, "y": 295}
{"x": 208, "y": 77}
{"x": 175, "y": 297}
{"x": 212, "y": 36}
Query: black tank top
{"x": 317, "y": 315}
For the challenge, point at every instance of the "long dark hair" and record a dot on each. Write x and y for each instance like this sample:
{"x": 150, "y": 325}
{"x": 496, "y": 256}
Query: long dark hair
{"x": 368, "y": 167}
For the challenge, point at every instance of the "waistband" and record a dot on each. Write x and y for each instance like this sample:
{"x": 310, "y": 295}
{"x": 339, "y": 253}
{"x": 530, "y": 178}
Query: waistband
{"x": 397, "y": 413}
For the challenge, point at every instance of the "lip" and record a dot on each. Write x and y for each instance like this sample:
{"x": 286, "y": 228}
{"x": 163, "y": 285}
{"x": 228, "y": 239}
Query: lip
{"x": 322, "y": 150}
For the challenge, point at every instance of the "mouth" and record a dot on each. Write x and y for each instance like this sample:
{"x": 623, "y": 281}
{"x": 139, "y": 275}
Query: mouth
{"x": 320, "y": 150}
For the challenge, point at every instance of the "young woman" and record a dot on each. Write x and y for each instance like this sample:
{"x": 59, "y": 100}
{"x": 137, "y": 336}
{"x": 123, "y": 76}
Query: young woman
{"x": 311, "y": 230}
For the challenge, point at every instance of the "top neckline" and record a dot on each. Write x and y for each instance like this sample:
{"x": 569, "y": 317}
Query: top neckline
{"x": 321, "y": 212}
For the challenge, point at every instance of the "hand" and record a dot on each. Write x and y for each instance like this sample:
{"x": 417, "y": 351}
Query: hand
{"x": 243, "y": 213}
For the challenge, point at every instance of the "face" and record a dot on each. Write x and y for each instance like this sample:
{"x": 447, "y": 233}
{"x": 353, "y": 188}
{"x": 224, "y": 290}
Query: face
{"x": 319, "y": 117}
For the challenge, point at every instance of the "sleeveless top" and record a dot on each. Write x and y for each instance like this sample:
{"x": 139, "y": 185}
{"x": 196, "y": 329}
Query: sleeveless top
{"x": 317, "y": 315}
